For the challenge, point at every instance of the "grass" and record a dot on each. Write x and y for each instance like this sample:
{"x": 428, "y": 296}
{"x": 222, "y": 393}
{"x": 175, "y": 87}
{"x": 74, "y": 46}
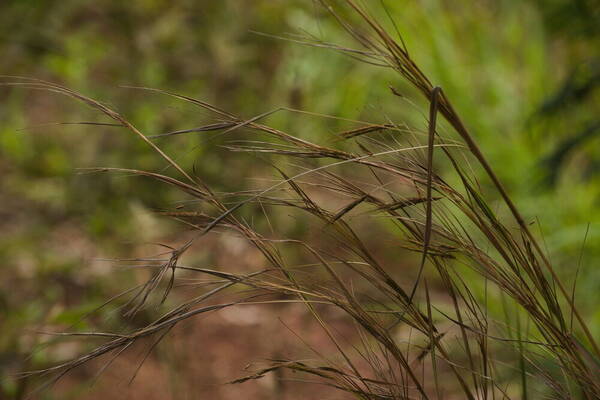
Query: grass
{"x": 382, "y": 171}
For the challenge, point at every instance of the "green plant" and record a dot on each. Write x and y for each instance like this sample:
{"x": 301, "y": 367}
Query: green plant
{"x": 387, "y": 170}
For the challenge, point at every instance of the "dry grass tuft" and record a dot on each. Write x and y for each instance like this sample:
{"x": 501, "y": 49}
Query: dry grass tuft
{"x": 455, "y": 345}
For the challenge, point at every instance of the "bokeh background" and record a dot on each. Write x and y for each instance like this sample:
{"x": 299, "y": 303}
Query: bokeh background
{"x": 523, "y": 74}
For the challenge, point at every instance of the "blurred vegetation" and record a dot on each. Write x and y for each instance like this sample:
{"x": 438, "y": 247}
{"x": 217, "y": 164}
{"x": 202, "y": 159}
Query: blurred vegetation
{"x": 523, "y": 74}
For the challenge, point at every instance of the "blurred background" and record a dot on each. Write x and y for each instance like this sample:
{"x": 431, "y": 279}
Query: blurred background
{"x": 524, "y": 75}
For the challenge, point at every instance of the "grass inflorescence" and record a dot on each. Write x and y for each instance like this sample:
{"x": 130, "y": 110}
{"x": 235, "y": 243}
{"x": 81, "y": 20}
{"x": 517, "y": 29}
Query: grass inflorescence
{"x": 382, "y": 172}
